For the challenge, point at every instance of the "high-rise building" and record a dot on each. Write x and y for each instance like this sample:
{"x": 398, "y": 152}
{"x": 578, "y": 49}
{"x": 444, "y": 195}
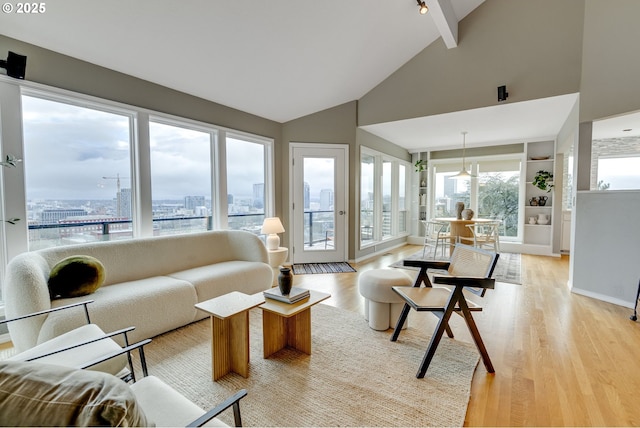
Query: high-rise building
{"x": 326, "y": 199}
{"x": 258, "y": 196}
{"x": 193, "y": 202}
{"x": 307, "y": 196}
{"x": 124, "y": 203}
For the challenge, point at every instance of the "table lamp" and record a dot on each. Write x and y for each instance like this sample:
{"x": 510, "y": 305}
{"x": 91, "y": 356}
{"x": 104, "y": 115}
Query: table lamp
{"x": 271, "y": 227}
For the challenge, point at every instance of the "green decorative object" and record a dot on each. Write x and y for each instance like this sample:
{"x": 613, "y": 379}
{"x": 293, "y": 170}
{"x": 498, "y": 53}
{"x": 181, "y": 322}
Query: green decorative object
{"x": 420, "y": 165}
{"x": 75, "y": 276}
{"x": 543, "y": 180}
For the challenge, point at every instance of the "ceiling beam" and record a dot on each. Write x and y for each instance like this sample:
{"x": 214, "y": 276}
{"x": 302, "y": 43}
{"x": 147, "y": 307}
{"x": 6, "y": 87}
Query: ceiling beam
{"x": 445, "y": 19}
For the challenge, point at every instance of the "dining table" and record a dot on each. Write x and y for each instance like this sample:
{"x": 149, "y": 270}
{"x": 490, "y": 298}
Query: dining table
{"x": 458, "y": 228}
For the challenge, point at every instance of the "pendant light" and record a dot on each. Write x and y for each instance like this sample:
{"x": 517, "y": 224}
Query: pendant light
{"x": 463, "y": 174}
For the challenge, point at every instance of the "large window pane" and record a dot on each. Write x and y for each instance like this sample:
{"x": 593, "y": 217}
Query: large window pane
{"x": 614, "y": 163}
{"x": 367, "y": 182}
{"x": 77, "y": 173}
{"x": 402, "y": 196}
{"x": 387, "y": 217}
{"x": 449, "y": 190}
{"x": 245, "y": 184}
{"x": 180, "y": 179}
{"x": 498, "y": 194}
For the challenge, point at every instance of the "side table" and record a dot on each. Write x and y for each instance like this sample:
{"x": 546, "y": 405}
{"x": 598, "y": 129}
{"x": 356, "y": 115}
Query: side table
{"x": 230, "y": 331}
{"x": 278, "y": 256}
{"x": 288, "y": 324}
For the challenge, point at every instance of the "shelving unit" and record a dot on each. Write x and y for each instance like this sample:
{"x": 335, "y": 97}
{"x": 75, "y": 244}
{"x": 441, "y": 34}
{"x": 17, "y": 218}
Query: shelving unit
{"x": 420, "y": 192}
{"x": 538, "y": 238}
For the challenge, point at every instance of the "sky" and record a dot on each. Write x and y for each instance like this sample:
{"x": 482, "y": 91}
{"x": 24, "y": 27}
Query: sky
{"x": 69, "y": 149}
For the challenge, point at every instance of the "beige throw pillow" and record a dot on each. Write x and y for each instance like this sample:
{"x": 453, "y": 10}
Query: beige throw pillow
{"x": 36, "y": 394}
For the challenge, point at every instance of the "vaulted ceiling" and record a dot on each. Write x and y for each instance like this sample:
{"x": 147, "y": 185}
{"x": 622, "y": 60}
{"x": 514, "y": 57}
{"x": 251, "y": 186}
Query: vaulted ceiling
{"x": 279, "y": 59}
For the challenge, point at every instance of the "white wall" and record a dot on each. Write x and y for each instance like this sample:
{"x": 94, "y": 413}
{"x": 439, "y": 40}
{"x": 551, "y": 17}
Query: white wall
{"x": 606, "y": 253}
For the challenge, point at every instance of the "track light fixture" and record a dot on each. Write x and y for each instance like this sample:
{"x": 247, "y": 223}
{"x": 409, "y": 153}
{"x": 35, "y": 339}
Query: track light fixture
{"x": 423, "y": 7}
{"x": 15, "y": 65}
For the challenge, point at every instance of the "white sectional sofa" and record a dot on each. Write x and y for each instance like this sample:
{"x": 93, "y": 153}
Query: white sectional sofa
{"x": 150, "y": 283}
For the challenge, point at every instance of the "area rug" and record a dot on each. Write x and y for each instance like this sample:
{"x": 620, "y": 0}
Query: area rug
{"x": 507, "y": 270}
{"x": 355, "y": 376}
{"x": 309, "y": 268}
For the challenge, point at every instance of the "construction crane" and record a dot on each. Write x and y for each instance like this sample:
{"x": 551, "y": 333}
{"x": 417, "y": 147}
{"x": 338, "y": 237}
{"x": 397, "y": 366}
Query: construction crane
{"x": 117, "y": 178}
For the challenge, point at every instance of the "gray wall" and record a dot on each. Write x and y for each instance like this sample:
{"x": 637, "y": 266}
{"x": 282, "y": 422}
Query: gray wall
{"x": 533, "y": 47}
{"x": 606, "y": 234}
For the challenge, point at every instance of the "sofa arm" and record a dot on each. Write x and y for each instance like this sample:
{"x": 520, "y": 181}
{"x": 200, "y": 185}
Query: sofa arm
{"x": 25, "y": 291}
{"x": 247, "y": 246}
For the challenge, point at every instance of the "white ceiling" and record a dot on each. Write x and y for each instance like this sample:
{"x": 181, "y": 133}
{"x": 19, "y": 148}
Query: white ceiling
{"x": 281, "y": 59}
{"x": 278, "y": 59}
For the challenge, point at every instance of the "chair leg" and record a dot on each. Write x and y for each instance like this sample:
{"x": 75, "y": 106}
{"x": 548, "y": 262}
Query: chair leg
{"x": 475, "y": 333}
{"x": 401, "y": 319}
{"x": 443, "y": 324}
{"x": 447, "y": 327}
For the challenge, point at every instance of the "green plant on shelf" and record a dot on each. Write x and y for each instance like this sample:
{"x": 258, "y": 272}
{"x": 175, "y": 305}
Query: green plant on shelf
{"x": 420, "y": 165}
{"x": 543, "y": 180}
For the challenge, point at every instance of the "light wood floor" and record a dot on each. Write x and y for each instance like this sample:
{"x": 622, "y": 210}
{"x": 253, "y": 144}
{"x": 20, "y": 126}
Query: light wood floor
{"x": 561, "y": 359}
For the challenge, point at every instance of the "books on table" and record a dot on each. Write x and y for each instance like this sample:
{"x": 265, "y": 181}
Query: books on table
{"x": 295, "y": 295}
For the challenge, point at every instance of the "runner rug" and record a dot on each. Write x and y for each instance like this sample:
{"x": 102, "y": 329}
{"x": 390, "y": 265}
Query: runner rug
{"x": 355, "y": 376}
{"x": 307, "y": 268}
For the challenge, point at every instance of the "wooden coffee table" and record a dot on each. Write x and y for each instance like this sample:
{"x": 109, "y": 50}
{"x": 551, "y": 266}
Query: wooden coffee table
{"x": 285, "y": 324}
{"x": 230, "y": 331}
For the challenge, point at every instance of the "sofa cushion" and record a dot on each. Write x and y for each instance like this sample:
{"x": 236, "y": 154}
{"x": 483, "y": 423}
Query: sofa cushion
{"x": 36, "y": 394}
{"x": 153, "y": 305}
{"x": 75, "y": 276}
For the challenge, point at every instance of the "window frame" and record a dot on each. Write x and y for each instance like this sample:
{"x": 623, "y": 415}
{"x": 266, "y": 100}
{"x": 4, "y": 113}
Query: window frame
{"x": 474, "y": 184}
{"x": 378, "y": 198}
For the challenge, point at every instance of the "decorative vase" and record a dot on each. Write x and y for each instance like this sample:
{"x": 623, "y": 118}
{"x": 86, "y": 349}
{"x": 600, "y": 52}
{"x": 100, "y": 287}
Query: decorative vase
{"x": 467, "y": 214}
{"x": 542, "y": 200}
{"x": 285, "y": 280}
{"x": 543, "y": 219}
{"x": 459, "y": 208}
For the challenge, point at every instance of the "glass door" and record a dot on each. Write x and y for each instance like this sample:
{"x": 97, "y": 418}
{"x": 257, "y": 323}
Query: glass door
{"x": 319, "y": 192}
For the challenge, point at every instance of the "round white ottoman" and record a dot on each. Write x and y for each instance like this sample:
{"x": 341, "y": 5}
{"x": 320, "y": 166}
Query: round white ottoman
{"x": 382, "y": 306}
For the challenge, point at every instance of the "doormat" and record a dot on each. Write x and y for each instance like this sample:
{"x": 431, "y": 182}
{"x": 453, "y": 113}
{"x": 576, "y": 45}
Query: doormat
{"x": 307, "y": 268}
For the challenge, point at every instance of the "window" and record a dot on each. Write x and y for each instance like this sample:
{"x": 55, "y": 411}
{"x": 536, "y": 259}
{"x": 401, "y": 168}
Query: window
{"x": 383, "y": 208}
{"x": 246, "y": 179}
{"x": 493, "y": 193}
{"x": 403, "y": 209}
{"x": 180, "y": 178}
{"x": 83, "y": 182}
{"x": 367, "y": 205}
{"x": 77, "y": 162}
{"x": 448, "y": 190}
{"x": 614, "y": 163}
{"x": 498, "y": 193}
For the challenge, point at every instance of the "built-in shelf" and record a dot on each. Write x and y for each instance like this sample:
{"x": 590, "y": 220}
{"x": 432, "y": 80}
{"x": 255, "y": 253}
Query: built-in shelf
{"x": 538, "y": 235}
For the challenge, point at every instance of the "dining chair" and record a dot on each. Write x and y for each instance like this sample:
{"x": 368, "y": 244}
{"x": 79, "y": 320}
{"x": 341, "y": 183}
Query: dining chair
{"x": 469, "y": 269}
{"x": 485, "y": 234}
{"x": 436, "y": 233}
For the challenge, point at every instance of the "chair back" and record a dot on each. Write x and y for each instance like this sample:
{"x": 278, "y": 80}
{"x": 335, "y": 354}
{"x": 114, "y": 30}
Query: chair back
{"x": 433, "y": 228}
{"x": 472, "y": 262}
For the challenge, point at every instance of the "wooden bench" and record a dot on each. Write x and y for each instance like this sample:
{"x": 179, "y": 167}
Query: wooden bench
{"x": 469, "y": 268}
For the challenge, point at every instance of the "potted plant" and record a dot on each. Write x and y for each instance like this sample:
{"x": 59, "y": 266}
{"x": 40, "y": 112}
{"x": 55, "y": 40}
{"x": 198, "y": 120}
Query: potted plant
{"x": 10, "y": 162}
{"x": 420, "y": 165}
{"x": 543, "y": 180}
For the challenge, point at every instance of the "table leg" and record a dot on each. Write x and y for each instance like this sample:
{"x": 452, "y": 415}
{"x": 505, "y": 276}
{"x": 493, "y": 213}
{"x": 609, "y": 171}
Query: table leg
{"x": 280, "y": 332}
{"x": 230, "y": 345}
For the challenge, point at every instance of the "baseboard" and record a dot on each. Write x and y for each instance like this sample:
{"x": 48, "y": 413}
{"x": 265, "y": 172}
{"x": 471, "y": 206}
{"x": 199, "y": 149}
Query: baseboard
{"x": 603, "y": 298}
